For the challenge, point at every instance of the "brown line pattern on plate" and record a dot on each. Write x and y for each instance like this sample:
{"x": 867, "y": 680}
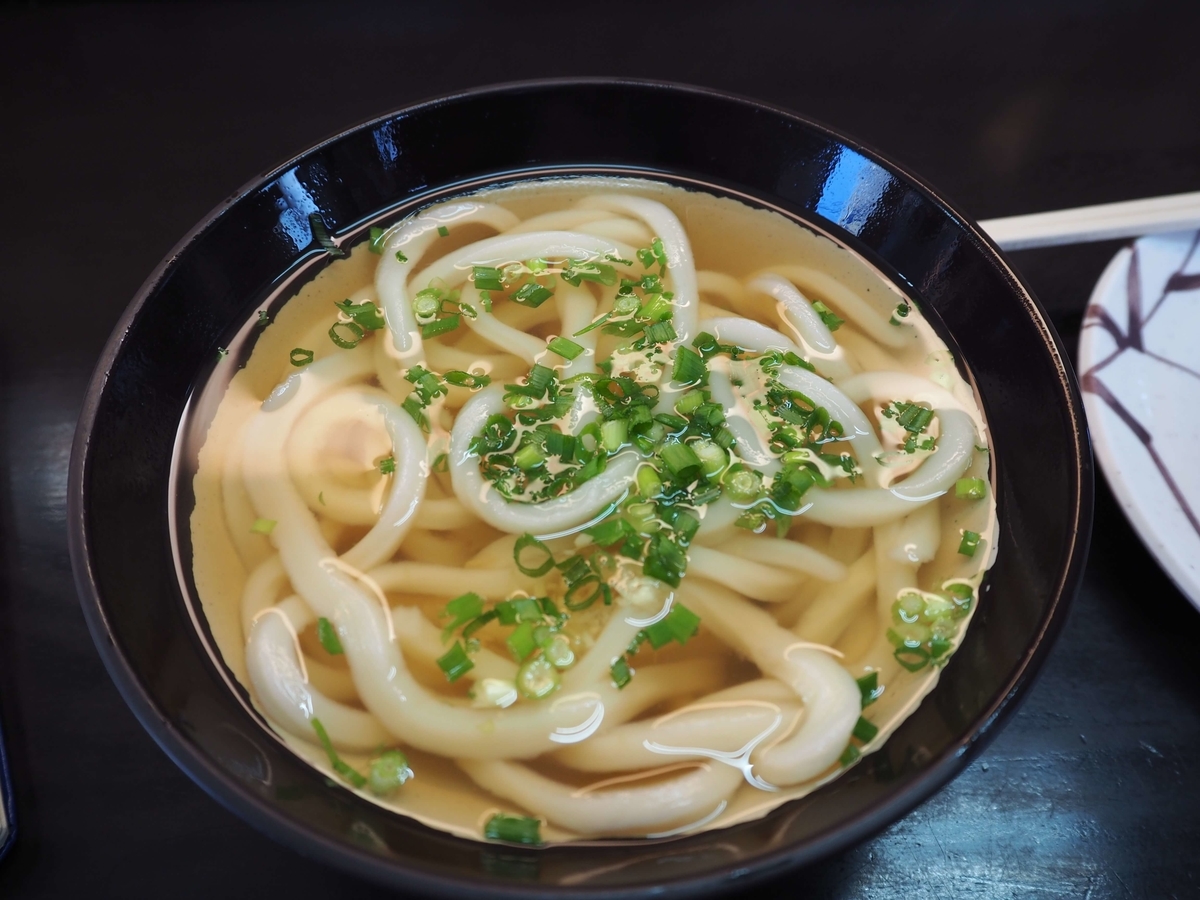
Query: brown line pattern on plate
{"x": 1131, "y": 339}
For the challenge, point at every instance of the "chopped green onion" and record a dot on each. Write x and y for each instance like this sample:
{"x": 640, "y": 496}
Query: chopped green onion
{"x": 300, "y": 357}
{"x": 537, "y": 678}
{"x": 970, "y": 489}
{"x": 743, "y": 485}
{"x": 850, "y": 754}
{"x": 648, "y": 482}
{"x": 328, "y": 637}
{"x": 463, "y": 608}
{"x": 614, "y": 434}
{"x": 660, "y": 333}
{"x": 901, "y": 312}
{"x": 537, "y": 265}
{"x": 577, "y": 272}
{"x": 565, "y": 347}
{"x": 912, "y": 658}
{"x": 621, "y": 675}
{"x": 969, "y": 543}
{"x": 532, "y": 295}
{"x": 528, "y": 457}
{"x": 487, "y": 278}
{"x": 939, "y": 646}
{"x": 665, "y": 560}
{"x": 558, "y": 650}
{"x": 263, "y": 319}
{"x": 443, "y": 231}
{"x": 377, "y": 239}
{"x": 472, "y": 380}
{"x": 346, "y": 343}
{"x": 683, "y": 464}
{"x": 263, "y": 526}
{"x": 513, "y": 829}
{"x": 828, "y": 316}
{"x": 689, "y": 367}
{"x": 529, "y": 542}
{"x": 477, "y": 623}
{"x": 412, "y": 406}
{"x": 521, "y": 641}
{"x": 455, "y": 662}
{"x": 713, "y": 459}
{"x": 320, "y": 234}
{"x": 427, "y": 303}
{"x": 689, "y": 402}
{"x": 584, "y": 592}
{"x": 540, "y": 378}
{"x": 387, "y": 465}
{"x": 441, "y": 326}
{"x": 339, "y": 766}
{"x": 388, "y": 772}
{"x": 608, "y": 532}
{"x": 869, "y": 686}
{"x": 366, "y": 314}
{"x": 864, "y": 730}
{"x": 400, "y": 257}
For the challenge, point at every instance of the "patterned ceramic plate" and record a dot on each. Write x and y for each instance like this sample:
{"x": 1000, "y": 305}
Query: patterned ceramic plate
{"x": 1139, "y": 359}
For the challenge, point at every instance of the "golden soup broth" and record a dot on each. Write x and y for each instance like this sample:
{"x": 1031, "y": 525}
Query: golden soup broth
{"x": 294, "y": 520}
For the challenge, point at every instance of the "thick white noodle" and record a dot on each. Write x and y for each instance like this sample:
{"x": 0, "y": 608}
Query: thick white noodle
{"x": 577, "y": 308}
{"x": 751, "y": 335}
{"x": 454, "y": 268}
{"x": 786, "y": 554}
{"x": 616, "y": 805}
{"x": 846, "y": 302}
{"x": 282, "y": 688}
{"x": 935, "y": 476}
{"x": 432, "y": 580}
{"x": 836, "y": 604}
{"x": 744, "y": 423}
{"x": 681, "y": 265}
{"x": 496, "y": 333}
{"x": 559, "y": 514}
{"x": 832, "y": 699}
{"x": 413, "y": 238}
{"x": 755, "y": 580}
{"x": 718, "y": 726}
{"x": 795, "y": 310}
{"x": 357, "y": 608}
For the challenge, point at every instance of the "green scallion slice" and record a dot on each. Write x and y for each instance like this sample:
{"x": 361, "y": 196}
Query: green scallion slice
{"x": 537, "y": 678}
{"x": 320, "y": 233}
{"x": 400, "y": 257}
{"x": 472, "y": 380}
{"x": 346, "y": 343}
{"x": 521, "y": 641}
{"x": 689, "y": 367}
{"x": 542, "y": 559}
{"x": 263, "y": 526}
{"x": 532, "y": 294}
{"x": 513, "y": 829}
{"x": 832, "y": 321}
{"x": 388, "y": 772}
{"x": 969, "y": 543}
{"x": 378, "y": 236}
{"x": 455, "y": 662}
{"x": 487, "y": 278}
{"x": 850, "y": 754}
{"x": 564, "y": 347}
{"x": 328, "y": 637}
{"x": 365, "y": 314}
{"x": 463, "y": 608}
{"x": 342, "y": 768}
{"x": 864, "y": 730}
{"x": 621, "y": 674}
{"x": 970, "y": 489}
{"x": 441, "y": 326}
{"x": 300, "y": 357}
{"x": 387, "y": 465}
{"x": 683, "y": 464}
{"x": 443, "y": 231}
{"x": 869, "y": 686}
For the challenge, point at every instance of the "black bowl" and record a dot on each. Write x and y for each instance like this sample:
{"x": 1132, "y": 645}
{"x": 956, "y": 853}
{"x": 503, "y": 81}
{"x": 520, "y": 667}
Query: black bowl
{"x": 122, "y": 518}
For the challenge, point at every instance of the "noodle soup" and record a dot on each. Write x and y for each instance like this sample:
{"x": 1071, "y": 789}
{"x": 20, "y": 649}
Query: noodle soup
{"x": 592, "y": 508}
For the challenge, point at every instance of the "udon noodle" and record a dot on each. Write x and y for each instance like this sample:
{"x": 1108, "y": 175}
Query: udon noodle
{"x": 591, "y": 508}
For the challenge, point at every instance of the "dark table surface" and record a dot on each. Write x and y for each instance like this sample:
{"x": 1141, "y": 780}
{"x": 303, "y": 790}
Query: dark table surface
{"x": 122, "y": 126}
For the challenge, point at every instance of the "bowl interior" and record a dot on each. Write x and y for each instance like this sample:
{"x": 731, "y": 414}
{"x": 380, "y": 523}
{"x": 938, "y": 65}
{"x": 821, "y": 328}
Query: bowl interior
{"x": 122, "y": 488}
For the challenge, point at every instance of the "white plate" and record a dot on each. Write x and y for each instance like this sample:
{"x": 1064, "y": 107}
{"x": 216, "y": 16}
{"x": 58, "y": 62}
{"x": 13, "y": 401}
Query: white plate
{"x": 1139, "y": 365}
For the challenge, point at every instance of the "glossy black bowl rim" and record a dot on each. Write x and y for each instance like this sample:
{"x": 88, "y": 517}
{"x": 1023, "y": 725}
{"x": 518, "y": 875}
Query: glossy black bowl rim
{"x": 283, "y": 829}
